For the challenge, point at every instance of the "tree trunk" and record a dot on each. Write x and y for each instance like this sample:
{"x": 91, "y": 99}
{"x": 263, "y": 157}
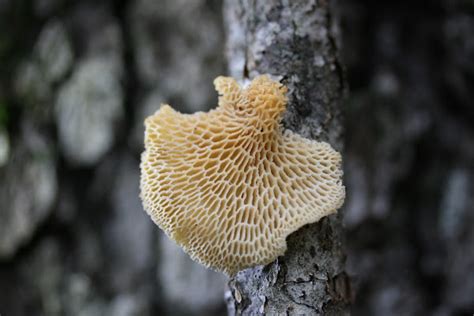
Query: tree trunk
{"x": 296, "y": 41}
{"x": 409, "y": 156}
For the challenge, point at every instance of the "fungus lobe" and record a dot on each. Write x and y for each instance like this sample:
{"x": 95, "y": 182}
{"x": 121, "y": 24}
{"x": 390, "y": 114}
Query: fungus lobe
{"x": 231, "y": 184}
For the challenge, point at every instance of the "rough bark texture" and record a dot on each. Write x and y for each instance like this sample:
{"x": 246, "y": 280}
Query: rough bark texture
{"x": 295, "y": 41}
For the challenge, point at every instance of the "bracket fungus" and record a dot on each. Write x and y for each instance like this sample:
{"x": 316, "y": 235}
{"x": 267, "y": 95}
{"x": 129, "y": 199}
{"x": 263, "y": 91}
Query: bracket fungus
{"x": 231, "y": 184}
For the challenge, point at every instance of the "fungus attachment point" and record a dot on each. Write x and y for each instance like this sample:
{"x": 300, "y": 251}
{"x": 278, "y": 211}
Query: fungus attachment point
{"x": 230, "y": 185}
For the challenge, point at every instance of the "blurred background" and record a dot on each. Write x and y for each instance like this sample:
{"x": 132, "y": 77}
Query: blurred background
{"x": 77, "y": 78}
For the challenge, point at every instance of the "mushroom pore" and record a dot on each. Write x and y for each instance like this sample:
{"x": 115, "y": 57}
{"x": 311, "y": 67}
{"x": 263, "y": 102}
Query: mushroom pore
{"x": 231, "y": 184}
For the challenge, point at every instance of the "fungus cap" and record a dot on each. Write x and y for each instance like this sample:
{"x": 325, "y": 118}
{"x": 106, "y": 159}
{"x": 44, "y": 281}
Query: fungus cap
{"x": 231, "y": 184}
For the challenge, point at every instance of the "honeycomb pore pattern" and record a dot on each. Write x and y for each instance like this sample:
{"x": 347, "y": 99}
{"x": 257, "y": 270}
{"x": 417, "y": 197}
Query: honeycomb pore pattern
{"x": 231, "y": 184}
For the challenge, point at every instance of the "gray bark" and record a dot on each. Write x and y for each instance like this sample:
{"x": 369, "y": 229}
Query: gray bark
{"x": 409, "y": 163}
{"x": 76, "y": 81}
{"x": 295, "y": 41}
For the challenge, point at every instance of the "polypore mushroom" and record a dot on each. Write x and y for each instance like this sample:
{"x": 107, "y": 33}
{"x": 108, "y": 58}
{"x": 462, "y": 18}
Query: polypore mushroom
{"x": 230, "y": 185}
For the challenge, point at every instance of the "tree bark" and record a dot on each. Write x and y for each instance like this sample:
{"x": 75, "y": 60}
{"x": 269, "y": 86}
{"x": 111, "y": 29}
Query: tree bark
{"x": 297, "y": 42}
{"x": 409, "y": 156}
